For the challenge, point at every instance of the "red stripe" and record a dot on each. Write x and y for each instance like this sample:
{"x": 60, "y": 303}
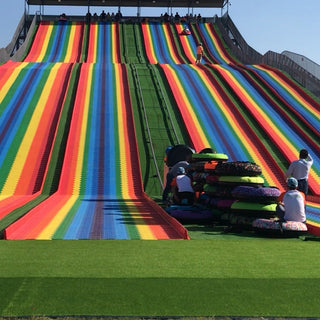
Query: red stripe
{"x": 38, "y": 41}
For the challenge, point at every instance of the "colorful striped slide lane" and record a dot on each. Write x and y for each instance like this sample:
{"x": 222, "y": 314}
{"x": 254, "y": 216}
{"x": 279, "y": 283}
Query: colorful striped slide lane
{"x": 59, "y": 41}
{"x": 285, "y": 139}
{"x": 100, "y": 194}
{"x": 307, "y": 110}
{"x": 187, "y": 42}
{"x": 189, "y": 108}
{"x": 303, "y": 114}
{"x": 299, "y": 114}
{"x": 214, "y": 43}
{"x": 104, "y": 43}
{"x": 212, "y": 119}
{"x": 159, "y": 43}
{"x": 305, "y": 107}
{"x": 31, "y": 99}
{"x": 208, "y": 56}
{"x": 279, "y": 130}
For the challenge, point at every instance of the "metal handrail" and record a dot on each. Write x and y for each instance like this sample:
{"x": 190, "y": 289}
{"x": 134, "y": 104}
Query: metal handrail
{"x": 147, "y": 124}
{"x": 151, "y": 67}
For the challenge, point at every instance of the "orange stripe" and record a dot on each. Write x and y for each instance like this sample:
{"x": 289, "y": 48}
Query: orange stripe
{"x": 92, "y": 50}
{"x": 148, "y": 43}
{"x": 38, "y": 42}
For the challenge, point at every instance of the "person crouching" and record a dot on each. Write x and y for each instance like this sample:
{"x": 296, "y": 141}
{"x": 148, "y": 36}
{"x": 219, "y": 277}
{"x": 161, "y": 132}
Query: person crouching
{"x": 182, "y": 190}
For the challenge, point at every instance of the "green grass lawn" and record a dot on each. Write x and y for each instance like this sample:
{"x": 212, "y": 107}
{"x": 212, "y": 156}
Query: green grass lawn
{"x": 235, "y": 276}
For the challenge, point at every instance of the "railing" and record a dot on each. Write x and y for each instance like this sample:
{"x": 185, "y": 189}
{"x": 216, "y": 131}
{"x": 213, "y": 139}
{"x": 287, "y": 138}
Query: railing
{"x": 155, "y": 134}
{"x": 140, "y": 95}
{"x": 247, "y": 55}
{"x": 298, "y": 73}
{"x": 236, "y": 43}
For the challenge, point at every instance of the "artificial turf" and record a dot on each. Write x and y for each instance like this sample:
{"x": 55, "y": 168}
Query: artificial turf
{"x": 219, "y": 277}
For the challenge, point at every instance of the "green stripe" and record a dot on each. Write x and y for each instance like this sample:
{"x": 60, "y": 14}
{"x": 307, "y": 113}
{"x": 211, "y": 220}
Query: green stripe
{"x": 64, "y": 225}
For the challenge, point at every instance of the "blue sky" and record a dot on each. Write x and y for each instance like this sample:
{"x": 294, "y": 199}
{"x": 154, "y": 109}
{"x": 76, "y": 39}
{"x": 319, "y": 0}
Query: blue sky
{"x": 275, "y": 25}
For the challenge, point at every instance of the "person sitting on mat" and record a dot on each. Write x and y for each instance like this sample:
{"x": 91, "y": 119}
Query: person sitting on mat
{"x": 299, "y": 169}
{"x": 182, "y": 190}
{"x": 173, "y": 172}
{"x": 291, "y": 205}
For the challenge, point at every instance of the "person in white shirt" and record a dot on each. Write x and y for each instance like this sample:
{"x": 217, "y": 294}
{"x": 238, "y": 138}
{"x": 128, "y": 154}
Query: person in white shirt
{"x": 292, "y": 203}
{"x": 182, "y": 190}
{"x": 299, "y": 169}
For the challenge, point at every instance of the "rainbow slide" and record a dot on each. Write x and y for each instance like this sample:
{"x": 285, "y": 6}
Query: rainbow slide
{"x": 103, "y": 43}
{"x": 280, "y": 130}
{"x": 100, "y": 191}
{"x": 83, "y": 112}
{"x": 57, "y": 42}
{"x": 207, "y": 111}
{"x": 213, "y": 119}
{"x": 159, "y": 44}
{"x": 31, "y": 100}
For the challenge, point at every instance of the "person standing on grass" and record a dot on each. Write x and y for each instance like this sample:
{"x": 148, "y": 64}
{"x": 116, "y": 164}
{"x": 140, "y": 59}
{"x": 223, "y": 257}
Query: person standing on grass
{"x": 299, "y": 169}
{"x": 199, "y": 53}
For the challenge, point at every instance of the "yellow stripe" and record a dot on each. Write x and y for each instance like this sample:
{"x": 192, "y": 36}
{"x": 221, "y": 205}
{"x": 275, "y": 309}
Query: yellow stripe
{"x": 50, "y": 229}
{"x": 15, "y": 73}
{"x": 45, "y": 44}
{"x": 95, "y": 42}
{"x": 122, "y": 141}
{"x": 113, "y": 43}
{"x": 27, "y": 140}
